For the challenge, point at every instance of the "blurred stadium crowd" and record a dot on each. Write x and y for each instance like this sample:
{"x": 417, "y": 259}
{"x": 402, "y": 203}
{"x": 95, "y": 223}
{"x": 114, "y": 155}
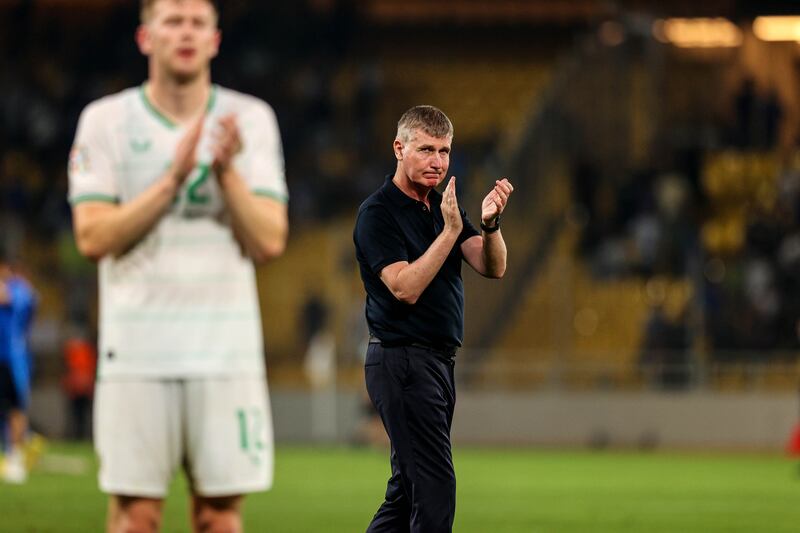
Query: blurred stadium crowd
{"x": 62, "y": 58}
{"x": 657, "y": 228}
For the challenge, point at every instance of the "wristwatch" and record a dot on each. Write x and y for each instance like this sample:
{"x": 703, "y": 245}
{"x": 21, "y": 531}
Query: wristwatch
{"x": 491, "y": 229}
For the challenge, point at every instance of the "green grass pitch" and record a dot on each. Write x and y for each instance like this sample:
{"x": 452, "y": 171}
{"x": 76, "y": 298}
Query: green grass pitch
{"x": 499, "y": 491}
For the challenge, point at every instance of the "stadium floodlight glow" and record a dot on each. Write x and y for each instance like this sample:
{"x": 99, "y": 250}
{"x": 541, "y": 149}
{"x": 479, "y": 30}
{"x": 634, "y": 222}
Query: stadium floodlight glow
{"x": 777, "y": 28}
{"x": 698, "y": 32}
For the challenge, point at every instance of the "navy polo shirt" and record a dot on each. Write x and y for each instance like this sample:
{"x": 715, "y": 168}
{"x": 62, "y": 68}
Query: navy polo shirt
{"x": 392, "y": 227}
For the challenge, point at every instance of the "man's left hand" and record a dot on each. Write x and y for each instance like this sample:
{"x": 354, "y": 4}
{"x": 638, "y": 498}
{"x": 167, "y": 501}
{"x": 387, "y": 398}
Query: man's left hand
{"x": 495, "y": 202}
{"x": 227, "y": 144}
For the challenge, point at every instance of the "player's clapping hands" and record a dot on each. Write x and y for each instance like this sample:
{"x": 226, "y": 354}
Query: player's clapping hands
{"x": 495, "y": 202}
{"x": 450, "y": 212}
{"x": 226, "y": 144}
{"x": 185, "y": 159}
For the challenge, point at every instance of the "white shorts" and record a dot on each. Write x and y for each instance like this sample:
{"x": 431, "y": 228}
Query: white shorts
{"x": 218, "y": 429}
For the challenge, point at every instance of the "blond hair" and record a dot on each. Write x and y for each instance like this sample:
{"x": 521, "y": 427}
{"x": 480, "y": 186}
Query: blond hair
{"x": 427, "y": 118}
{"x": 146, "y": 10}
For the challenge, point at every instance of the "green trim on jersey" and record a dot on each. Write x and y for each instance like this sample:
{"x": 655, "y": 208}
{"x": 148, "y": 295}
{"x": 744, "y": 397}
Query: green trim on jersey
{"x": 94, "y": 198}
{"x": 212, "y": 99}
{"x": 271, "y": 194}
{"x": 153, "y": 111}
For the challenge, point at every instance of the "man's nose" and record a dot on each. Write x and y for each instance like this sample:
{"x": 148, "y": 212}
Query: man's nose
{"x": 187, "y": 27}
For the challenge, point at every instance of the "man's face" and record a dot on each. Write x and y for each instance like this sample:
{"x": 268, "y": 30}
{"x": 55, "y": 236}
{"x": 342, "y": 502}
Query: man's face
{"x": 424, "y": 159}
{"x": 180, "y": 36}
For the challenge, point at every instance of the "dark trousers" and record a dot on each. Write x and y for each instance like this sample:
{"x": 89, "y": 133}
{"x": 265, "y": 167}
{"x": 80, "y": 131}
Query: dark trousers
{"x": 413, "y": 390}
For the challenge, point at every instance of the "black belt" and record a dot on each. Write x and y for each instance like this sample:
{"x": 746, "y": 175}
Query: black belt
{"x": 448, "y": 351}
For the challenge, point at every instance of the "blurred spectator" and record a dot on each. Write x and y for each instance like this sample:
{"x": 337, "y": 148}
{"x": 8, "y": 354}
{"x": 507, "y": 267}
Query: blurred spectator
{"x": 320, "y": 357}
{"x": 677, "y": 234}
{"x": 80, "y": 361}
{"x": 17, "y": 307}
{"x": 758, "y": 117}
{"x": 642, "y": 227}
{"x": 773, "y": 118}
{"x": 746, "y": 105}
{"x": 664, "y": 355}
{"x": 314, "y": 316}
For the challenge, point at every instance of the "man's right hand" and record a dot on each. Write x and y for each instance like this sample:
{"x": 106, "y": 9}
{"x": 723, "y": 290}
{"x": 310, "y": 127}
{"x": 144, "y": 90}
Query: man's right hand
{"x": 450, "y": 211}
{"x": 185, "y": 158}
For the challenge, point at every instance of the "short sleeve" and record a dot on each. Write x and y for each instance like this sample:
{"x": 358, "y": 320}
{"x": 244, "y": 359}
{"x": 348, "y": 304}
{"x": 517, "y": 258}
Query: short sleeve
{"x": 379, "y": 239}
{"x": 468, "y": 230}
{"x": 91, "y": 170}
{"x": 261, "y": 161}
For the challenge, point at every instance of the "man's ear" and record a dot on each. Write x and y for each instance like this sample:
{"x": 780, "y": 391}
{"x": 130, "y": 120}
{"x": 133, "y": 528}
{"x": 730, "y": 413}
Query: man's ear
{"x": 398, "y": 149}
{"x": 143, "y": 40}
{"x": 217, "y": 41}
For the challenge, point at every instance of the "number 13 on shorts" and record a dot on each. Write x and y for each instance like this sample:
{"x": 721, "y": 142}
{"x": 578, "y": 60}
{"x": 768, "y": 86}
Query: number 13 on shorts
{"x": 252, "y": 438}
{"x": 238, "y": 447}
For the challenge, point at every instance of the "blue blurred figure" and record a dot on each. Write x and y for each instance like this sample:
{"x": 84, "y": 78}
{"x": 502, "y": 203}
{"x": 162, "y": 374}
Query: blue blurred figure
{"x": 17, "y": 307}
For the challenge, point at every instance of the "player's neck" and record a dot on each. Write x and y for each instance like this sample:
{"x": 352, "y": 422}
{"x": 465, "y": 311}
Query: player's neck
{"x": 411, "y": 189}
{"x": 181, "y": 102}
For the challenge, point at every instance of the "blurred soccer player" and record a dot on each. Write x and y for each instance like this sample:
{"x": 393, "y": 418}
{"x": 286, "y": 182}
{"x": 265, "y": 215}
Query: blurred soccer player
{"x": 17, "y": 306}
{"x": 176, "y": 187}
{"x": 410, "y": 242}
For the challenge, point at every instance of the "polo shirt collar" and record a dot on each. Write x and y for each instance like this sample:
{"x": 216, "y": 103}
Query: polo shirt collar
{"x": 400, "y": 198}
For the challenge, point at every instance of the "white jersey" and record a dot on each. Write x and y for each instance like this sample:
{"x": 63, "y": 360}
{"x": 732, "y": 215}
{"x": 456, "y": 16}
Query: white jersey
{"x": 183, "y": 301}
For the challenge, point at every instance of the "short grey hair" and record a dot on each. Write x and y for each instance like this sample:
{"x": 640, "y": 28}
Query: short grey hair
{"x": 427, "y": 118}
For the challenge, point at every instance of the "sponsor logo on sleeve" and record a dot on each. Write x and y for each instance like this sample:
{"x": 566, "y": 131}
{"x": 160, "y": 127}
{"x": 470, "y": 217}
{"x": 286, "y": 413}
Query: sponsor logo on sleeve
{"x": 79, "y": 159}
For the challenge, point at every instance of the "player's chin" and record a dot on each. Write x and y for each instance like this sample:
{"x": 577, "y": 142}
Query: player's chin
{"x": 186, "y": 74}
{"x": 432, "y": 180}
{"x": 187, "y": 69}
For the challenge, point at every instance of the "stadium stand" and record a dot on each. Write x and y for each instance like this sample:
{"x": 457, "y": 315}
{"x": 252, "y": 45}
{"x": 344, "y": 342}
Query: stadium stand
{"x": 636, "y": 165}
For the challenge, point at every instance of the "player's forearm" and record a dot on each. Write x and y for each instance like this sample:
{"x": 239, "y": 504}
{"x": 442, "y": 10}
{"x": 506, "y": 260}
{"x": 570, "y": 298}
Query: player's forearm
{"x": 113, "y": 230}
{"x": 494, "y": 255}
{"x": 260, "y": 223}
{"x": 415, "y": 277}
